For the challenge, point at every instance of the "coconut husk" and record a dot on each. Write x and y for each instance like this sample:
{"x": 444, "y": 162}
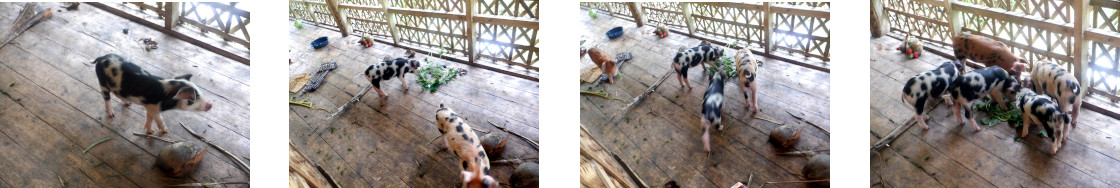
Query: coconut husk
{"x": 817, "y": 169}
{"x": 785, "y": 136}
{"x": 180, "y": 159}
{"x": 526, "y": 175}
{"x": 494, "y": 143}
{"x": 296, "y": 83}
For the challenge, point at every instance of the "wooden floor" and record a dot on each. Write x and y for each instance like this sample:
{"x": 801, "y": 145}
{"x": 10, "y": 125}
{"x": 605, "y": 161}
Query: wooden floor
{"x": 384, "y": 142}
{"x": 51, "y": 108}
{"x": 661, "y": 138}
{"x": 954, "y": 155}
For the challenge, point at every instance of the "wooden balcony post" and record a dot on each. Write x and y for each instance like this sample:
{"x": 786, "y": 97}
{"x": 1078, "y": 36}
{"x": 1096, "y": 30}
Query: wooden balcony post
{"x": 1081, "y": 9}
{"x": 877, "y": 21}
{"x": 768, "y": 25}
{"x": 339, "y": 18}
{"x": 392, "y": 21}
{"x": 172, "y": 12}
{"x": 472, "y": 41}
{"x": 636, "y": 12}
{"x": 955, "y": 22}
{"x": 688, "y": 18}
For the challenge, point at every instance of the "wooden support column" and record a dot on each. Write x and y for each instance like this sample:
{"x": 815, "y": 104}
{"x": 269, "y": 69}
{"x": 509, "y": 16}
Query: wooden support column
{"x": 389, "y": 17}
{"x": 636, "y": 12}
{"x": 472, "y": 40}
{"x": 955, "y": 22}
{"x": 688, "y": 18}
{"x": 172, "y": 12}
{"x": 877, "y": 21}
{"x": 310, "y": 12}
{"x": 339, "y": 18}
{"x": 768, "y": 26}
{"x": 1080, "y": 45}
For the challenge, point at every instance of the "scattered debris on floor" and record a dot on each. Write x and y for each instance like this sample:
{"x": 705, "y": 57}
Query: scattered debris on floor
{"x": 28, "y": 16}
{"x": 70, "y": 6}
{"x": 296, "y": 84}
{"x": 600, "y": 93}
{"x": 431, "y": 76}
{"x": 242, "y": 164}
{"x": 147, "y": 43}
{"x": 96, "y": 143}
{"x": 306, "y": 103}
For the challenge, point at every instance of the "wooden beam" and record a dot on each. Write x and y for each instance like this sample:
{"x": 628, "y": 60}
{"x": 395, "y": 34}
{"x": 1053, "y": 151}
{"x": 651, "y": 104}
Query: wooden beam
{"x": 339, "y": 18}
{"x": 636, "y": 12}
{"x": 879, "y": 26}
{"x": 506, "y": 21}
{"x": 768, "y": 23}
{"x": 173, "y": 33}
{"x": 955, "y": 21}
{"x": 472, "y": 40}
{"x": 1080, "y": 54}
{"x": 391, "y": 17}
{"x": 172, "y": 12}
{"x": 799, "y": 11}
{"x": 688, "y": 17}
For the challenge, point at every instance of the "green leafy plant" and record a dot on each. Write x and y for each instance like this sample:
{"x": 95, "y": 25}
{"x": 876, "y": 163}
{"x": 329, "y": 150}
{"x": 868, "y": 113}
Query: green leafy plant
{"x": 725, "y": 66}
{"x": 432, "y": 76}
{"x": 1012, "y": 116}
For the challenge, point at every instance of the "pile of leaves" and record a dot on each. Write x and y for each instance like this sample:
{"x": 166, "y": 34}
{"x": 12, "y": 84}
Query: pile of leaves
{"x": 1012, "y": 115}
{"x": 432, "y": 76}
{"x": 725, "y": 66}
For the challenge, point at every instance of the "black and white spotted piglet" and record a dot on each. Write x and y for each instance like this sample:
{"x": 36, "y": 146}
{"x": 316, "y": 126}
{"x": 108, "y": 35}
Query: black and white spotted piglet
{"x": 699, "y": 55}
{"x": 389, "y": 69}
{"x": 748, "y": 68}
{"x": 970, "y": 87}
{"x": 1040, "y": 110}
{"x": 1051, "y": 79}
{"x": 713, "y": 108}
{"x": 922, "y": 88}
{"x": 135, "y": 85}
{"x": 461, "y": 140}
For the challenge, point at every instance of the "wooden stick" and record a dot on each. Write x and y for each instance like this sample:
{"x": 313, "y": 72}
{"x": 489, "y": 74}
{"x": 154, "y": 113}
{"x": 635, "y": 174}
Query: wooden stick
{"x": 513, "y": 161}
{"x": 804, "y": 152}
{"x": 154, "y": 137}
{"x": 633, "y": 175}
{"x": 600, "y": 94}
{"x": 626, "y": 109}
{"x": 207, "y": 184}
{"x": 789, "y": 182}
{"x": 356, "y": 98}
{"x": 886, "y": 141}
{"x": 28, "y": 17}
{"x": 242, "y": 163}
{"x": 809, "y": 122}
{"x": 531, "y": 142}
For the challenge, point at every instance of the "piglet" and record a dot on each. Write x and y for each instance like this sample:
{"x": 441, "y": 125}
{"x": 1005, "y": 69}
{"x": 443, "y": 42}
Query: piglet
{"x": 989, "y": 52}
{"x": 713, "y": 107}
{"x": 605, "y": 61}
{"x": 921, "y": 88}
{"x": 461, "y": 140}
{"x": 747, "y": 67}
{"x": 1040, "y": 110}
{"x": 967, "y": 90}
{"x": 1051, "y": 79}
{"x": 701, "y": 55}
{"x": 389, "y": 69}
{"x": 135, "y": 85}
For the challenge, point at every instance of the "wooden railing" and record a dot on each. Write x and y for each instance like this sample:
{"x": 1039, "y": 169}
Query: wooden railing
{"x": 499, "y": 30}
{"x": 1082, "y": 35}
{"x": 224, "y": 21}
{"x": 798, "y": 29}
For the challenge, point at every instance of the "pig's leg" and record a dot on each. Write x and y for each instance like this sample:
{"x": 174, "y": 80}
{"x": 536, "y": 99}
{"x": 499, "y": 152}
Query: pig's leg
{"x": 948, "y": 100}
{"x": 154, "y": 115}
{"x": 746, "y": 95}
{"x": 148, "y": 122}
{"x": 401, "y": 78}
{"x": 968, "y": 113}
{"x": 105, "y": 95}
{"x": 997, "y": 95}
{"x": 754, "y": 98}
{"x": 1026, "y": 125}
{"x": 957, "y": 110}
{"x": 377, "y": 87}
{"x": 707, "y": 125}
{"x": 1076, "y": 110}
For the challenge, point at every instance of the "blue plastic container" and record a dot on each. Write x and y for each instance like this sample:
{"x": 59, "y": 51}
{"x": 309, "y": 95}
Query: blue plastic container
{"x": 319, "y": 43}
{"x": 614, "y": 33}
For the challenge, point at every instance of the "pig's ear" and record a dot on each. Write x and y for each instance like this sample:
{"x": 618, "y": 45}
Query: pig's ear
{"x": 186, "y": 93}
{"x": 184, "y": 77}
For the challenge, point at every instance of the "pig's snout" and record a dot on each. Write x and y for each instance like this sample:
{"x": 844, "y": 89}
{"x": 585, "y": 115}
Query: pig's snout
{"x": 205, "y": 107}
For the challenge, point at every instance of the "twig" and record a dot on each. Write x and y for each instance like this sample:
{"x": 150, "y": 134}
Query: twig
{"x": 789, "y": 182}
{"x": 154, "y": 137}
{"x": 626, "y": 109}
{"x": 207, "y": 184}
{"x": 95, "y": 143}
{"x": 531, "y": 142}
{"x": 434, "y": 139}
{"x": 766, "y": 118}
{"x": 356, "y": 98}
{"x": 810, "y": 123}
{"x": 803, "y": 152}
{"x": 306, "y": 103}
{"x": 886, "y": 141}
{"x": 242, "y": 163}
{"x": 480, "y": 130}
{"x": 512, "y": 161}
{"x": 600, "y": 94}
{"x": 749, "y": 179}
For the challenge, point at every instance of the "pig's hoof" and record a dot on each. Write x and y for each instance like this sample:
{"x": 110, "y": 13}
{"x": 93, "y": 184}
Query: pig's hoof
{"x": 161, "y": 132}
{"x": 150, "y": 131}
{"x": 126, "y": 104}
{"x": 111, "y": 115}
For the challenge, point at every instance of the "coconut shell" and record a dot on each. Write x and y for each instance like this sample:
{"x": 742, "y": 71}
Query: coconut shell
{"x": 817, "y": 169}
{"x": 494, "y": 144}
{"x": 785, "y": 136}
{"x": 180, "y": 159}
{"x": 526, "y": 175}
